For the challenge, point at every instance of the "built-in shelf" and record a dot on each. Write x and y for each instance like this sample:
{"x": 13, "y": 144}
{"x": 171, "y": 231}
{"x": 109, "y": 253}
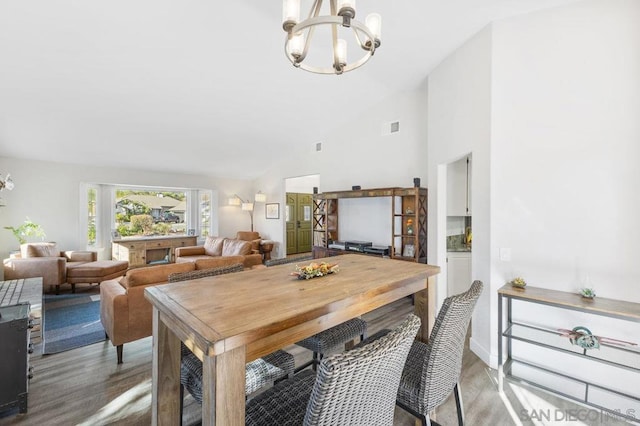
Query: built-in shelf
{"x": 406, "y": 204}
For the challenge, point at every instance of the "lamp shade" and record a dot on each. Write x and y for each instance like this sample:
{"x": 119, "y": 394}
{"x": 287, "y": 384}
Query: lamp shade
{"x": 247, "y": 207}
{"x": 234, "y": 201}
{"x": 260, "y": 197}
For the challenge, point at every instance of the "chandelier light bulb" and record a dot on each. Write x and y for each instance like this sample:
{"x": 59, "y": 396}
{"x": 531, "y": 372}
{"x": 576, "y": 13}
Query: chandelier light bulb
{"x": 341, "y": 52}
{"x": 347, "y": 8}
{"x": 290, "y": 14}
{"x": 373, "y": 21}
{"x": 296, "y": 45}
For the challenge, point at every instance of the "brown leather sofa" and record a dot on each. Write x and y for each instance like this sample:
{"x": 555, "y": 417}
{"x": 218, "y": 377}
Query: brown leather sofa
{"x": 124, "y": 311}
{"x": 45, "y": 260}
{"x": 219, "y": 247}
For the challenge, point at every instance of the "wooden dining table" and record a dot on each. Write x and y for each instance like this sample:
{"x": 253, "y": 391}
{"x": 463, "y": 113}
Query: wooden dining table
{"x": 229, "y": 320}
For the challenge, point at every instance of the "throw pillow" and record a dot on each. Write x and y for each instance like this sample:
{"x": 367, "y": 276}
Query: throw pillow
{"x": 236, "y": 247}
{"x": 42, "y": 250}
{"x": 213, "y": 246}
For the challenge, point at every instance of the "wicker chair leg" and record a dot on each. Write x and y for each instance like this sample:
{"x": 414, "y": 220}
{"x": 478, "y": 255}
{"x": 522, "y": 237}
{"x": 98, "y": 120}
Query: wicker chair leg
{"x": 459, "y": 407}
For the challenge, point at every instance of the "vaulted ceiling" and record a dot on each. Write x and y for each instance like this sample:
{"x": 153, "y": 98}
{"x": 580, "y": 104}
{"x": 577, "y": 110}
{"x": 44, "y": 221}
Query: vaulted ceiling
{"x": 147, "y": 84}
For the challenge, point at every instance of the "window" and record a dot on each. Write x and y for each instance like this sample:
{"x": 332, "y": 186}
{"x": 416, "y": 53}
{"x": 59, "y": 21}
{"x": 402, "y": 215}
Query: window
{"x": 205, "y": 213}
{"x": 144, "y": 212}
{"x": 92, "y": 197}
{"x": 117, "y": 211}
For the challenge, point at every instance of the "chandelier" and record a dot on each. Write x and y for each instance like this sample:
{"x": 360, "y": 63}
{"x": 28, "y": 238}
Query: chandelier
{"x": 342, "y": 14}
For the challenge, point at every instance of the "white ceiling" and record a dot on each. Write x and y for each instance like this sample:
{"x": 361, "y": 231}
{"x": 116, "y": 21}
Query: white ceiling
{"x": 148, "y": 84}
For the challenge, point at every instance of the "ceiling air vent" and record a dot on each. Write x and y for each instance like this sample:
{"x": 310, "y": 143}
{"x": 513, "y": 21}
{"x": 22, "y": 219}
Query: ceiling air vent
{"x": 319, "y": 146}
{"x": 395, "y": 127}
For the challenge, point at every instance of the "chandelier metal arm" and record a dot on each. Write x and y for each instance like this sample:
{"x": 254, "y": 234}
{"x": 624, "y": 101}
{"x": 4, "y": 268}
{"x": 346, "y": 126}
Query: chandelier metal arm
{"x": 334, "y": 39}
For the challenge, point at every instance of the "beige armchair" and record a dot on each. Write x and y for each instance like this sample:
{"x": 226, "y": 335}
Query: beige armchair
{"x": 46, "y": 261}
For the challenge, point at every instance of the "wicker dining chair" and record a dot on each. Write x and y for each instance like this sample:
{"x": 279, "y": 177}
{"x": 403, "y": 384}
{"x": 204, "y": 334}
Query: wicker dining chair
{"x": 355, "y": 387}
{"x": 258, "y": 373}
{"x": 433, "y": 369}
{"x": 335, "y": 338}
{"x": 290, "y": 259}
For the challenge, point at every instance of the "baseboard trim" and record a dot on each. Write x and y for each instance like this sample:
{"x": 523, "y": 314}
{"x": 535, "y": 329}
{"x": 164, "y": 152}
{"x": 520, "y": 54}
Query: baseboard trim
{"x": 483, "y": 353}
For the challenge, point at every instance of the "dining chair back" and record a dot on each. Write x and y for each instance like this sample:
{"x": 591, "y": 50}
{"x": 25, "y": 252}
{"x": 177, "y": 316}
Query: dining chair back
{"x": 433, "y": 370}
{"x": 355, "y": 387}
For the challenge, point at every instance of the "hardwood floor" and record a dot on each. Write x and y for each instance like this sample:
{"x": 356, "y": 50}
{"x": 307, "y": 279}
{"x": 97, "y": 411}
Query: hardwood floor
{"x": 85, "y": 386}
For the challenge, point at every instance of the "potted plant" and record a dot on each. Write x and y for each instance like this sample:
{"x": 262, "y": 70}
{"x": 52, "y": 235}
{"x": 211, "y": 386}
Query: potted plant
{"x": 25, "y": 230}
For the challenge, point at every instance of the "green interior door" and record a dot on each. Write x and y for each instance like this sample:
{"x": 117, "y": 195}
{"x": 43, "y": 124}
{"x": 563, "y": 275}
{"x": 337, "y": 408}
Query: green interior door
{"x": 290, "y": 220}
{"x": 298, "y": 217}
{"x": 304, "y": 222}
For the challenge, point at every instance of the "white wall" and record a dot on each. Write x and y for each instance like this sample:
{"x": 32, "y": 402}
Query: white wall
{"x": 49, "y": 193}
{"x": 548, "y": 104}
{"x": 565, "y": 149}
{"x": 460, "y": 123}
{"x": 357, "y": 154}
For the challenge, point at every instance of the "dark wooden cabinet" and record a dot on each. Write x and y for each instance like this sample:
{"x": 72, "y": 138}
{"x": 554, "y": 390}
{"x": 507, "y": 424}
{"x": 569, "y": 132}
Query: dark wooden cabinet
{"x": 14, "y": 358}
{"x": 408, "y": 221}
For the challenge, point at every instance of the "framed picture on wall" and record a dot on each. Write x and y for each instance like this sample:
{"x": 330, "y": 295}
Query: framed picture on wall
{"x": 272, "y": 210}
{"x": 191, "y": 232}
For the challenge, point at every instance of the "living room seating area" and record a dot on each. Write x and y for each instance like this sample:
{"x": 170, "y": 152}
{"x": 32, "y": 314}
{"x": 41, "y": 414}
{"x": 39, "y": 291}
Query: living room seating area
{"x": 60, "y": 267}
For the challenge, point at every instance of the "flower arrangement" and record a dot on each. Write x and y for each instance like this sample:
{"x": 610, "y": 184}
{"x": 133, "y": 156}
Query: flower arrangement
{"x": 315, "y": 270}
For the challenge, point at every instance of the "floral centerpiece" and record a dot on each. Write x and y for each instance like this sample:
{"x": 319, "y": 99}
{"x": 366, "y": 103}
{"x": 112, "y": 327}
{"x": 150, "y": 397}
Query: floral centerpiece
{"x": 315, "y": 270}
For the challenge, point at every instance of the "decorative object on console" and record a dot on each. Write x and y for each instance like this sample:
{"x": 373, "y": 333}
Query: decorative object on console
{"x": 342, "y": 16}
{"x": 356, "y": 188}
{"x": 416, "y": 182}
{"x": 518, "y": 282}
{"x": 587, "y": 293}
{"x": 313, "y": 270}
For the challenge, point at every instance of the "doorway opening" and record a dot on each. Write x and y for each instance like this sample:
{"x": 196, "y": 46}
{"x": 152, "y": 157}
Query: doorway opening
{"x": 298, "y": 213}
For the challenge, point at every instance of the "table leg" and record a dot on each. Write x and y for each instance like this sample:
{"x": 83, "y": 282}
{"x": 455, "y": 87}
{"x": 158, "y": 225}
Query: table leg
{"x": 223, "y": 382}
{"x": 165, "y": 377}
{"x": 425, "y": 308}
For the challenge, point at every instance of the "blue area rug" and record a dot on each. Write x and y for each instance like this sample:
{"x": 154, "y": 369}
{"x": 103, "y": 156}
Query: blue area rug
{"x": 71, "y": 321}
